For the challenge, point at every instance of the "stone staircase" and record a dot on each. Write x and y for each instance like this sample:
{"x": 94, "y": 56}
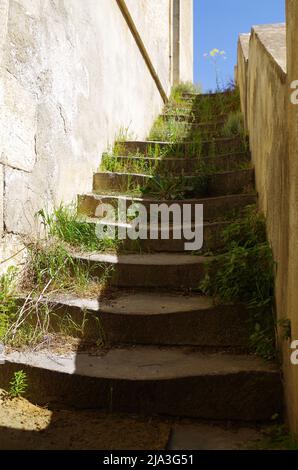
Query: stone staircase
{"x": 172, "y": 351}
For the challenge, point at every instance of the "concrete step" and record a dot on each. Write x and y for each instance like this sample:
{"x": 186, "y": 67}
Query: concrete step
{"x": 154, "y": 318}
{"x": 151, "y": 380}
{"x": 213, "y": 239}
{"x": 214, "y": 207}
{"x": 178, "y": 166}
{"x": 162, "y": 270}
{"x": 213, "y": 147}
{"x": 217, "y": 184}
{"x": 198, "y": 435}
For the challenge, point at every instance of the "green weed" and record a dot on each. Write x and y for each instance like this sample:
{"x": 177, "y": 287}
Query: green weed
{"x": 244, "y": 273}
{"x": 234, "y": 125}
{"x": 276, "y": 437}
{"x": 18, "y": 384}
{"x": 66, "y": 225}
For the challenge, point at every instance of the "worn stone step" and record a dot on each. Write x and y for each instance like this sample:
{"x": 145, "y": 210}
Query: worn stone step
{"x": 186, "y": 166}
{"x": 212, "y": 232}
{"x": 155, "y": 318}
{"x": 163, "y": 270}
{"x": 152, "y": 380}
{"x": 213, "y": 147}
{"x": 217, "y": 184}
{"x": 197, "y": 435}
{"x": 214, "y": 207}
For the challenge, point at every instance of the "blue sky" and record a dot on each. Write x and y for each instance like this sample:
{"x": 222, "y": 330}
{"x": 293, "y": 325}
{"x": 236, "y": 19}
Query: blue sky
{"x": 217, "y": 25}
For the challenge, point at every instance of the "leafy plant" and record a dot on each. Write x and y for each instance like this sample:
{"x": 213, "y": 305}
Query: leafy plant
{"x": 18, "y": 385}
{"x": 244, "y": 273}
{"x": 246, "y": 231}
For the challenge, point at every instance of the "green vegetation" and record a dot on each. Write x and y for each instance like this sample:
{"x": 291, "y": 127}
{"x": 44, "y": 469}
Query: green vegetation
{"x": 27, "y": 316}
{"x": 234, "y": 126}
{"x": 277, "y": 437}
{"x": 177, "y": 188}
{"x": 66, "y": 225}
{"x": 169, "y": 130}
{"x": 8, "y": 303}
{"x": 244, "y": 273}
{"x": 136, "y": 163}
{"x": 18, "y": 385}
{"x": 52, "y": 267}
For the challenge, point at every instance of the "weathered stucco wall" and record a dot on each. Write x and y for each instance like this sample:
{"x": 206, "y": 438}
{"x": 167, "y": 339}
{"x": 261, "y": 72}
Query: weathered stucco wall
{"x": 272, "y": 123}
{"x": 71, "y": 75}
{"x": 153, "y": 21}
{"x": 186, "y": 41}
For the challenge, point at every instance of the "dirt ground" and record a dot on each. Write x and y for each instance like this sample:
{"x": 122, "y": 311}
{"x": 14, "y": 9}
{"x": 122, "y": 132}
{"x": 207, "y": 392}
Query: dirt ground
{"x": 24, "y": 426}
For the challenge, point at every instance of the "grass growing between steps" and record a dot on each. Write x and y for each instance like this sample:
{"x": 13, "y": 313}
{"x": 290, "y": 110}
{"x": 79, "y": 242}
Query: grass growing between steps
{"x": 178, "y": 188}
{"x": 74, "y": 234}
{"x": 66, "y": 225}
{"x": 27, "y": 316}
{"x": 204, "y": 108}
{"x": 135, "y": 163}
{"x": 234, "y": 125}
{"x": 244, "y": 273}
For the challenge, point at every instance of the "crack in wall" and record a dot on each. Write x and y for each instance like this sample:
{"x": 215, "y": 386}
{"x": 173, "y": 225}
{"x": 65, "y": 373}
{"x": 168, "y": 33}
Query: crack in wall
{"x": 63, "y": 119}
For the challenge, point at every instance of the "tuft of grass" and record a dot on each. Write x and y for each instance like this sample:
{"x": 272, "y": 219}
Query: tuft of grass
{"x": 246, "y": 231}
{"x": 182, "y": 88}
{"x": 18, "y": 384}
{"x": 169, "y": 130}
{"x": 177, "y": 188}
{"x": 8, "y": 302}
{"x": 234, "y": 125}
{"x": 66, "y": 225}
{"x": 134, "y": 163}
{"x": 52, "y": 267}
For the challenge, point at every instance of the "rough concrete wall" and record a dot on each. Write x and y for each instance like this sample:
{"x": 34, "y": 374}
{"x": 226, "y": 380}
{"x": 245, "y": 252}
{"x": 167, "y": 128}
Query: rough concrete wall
{"x": 71, "y": 75}
{"x": 266, "y": 117}
{"x": 242, "y": 71}
{"x": 186, "y": 41}
{"x": 271, "y": 132}
{"x": 291, "y": 371}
